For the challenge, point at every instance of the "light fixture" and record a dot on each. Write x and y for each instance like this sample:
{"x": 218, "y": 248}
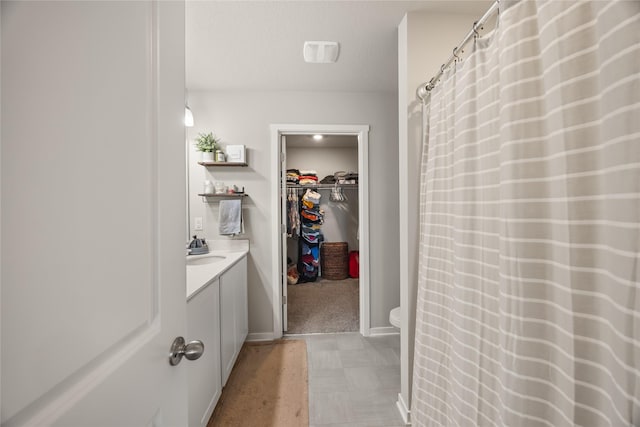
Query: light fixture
{"x": 188, "y": 117}
{"x": 317, "y": 137}
{"x": 320, "y": 52}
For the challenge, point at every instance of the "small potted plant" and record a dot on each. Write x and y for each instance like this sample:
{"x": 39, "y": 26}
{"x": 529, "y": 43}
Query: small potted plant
{"x": 207, "y": 144}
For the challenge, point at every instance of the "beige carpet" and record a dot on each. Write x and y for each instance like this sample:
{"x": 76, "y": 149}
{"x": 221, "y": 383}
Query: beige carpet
{"x": 323, "y": 306}
{"x": 268, "y": 387}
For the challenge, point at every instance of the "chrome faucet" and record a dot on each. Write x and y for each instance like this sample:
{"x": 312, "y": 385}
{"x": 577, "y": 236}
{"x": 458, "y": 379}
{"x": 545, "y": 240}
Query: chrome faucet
{"x": 198, "y": 246}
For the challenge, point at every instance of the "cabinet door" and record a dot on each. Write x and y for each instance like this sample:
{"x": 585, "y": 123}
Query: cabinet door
{"x": 205, "y": 383}
{"x": 242, "y": 312}
{"x": 233, "y": 314}
{"x": 227, "y": 325}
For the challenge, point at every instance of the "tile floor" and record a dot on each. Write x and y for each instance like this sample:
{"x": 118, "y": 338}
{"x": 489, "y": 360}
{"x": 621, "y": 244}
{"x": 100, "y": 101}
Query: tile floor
{"x": 353, "y": 381}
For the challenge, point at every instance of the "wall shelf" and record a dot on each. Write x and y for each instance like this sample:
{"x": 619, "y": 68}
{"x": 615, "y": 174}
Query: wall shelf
{"x": 212, "y": 198}
{"x": 223, "y": 164}
{"x": 225, "y": 195}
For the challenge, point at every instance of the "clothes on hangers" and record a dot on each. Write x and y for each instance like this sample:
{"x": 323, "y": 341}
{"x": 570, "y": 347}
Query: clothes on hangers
{"x": 293, "y": 212}
{"x": 337, "y": 195}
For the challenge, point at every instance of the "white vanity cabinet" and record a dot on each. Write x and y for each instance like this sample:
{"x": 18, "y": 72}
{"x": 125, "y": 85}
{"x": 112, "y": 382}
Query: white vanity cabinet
{"x": 217, "y": 315}
{"x": 233, "y": 315}
{"x": 205, "y": 383}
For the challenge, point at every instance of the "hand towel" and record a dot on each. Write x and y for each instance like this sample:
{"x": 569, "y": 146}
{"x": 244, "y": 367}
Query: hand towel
{"x": 230, "y": 217}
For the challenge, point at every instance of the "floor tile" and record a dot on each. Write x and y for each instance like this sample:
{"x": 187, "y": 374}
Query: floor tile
{"x": 368, "y": 357}
{"x": 389, "y": 376}
{"x": 322, "y": 342}
{"x": 364, "y": 424}
{"x": 329, "y": 408}
{"x": 354, "y": 381}
{"x": 327, "y": 380}
{"x": 358, "y": 358}
{"x": 319, "y": 360}
{"x": 362, "y": 378}
{"x": 374, "y": 406}
{"x": 350, "y": 342}
{"x": 388, "y": 355}
{"x": 382, "y": 341}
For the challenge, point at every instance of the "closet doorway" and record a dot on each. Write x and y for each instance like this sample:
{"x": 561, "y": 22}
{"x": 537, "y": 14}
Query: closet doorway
{"x": 322, "y": 231}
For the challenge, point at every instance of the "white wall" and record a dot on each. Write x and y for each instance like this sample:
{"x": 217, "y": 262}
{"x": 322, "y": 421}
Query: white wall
{"x": 425, "y": 41}
{"x": 244, "y": 118}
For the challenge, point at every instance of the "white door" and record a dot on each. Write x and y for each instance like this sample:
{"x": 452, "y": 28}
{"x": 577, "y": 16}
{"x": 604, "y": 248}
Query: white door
{"x": 93, "y": 277}
{"x": 283, "y": 228}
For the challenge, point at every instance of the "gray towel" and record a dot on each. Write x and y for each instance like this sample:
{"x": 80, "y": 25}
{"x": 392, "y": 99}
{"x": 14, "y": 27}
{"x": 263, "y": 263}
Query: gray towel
{"x": 230, "y": 219}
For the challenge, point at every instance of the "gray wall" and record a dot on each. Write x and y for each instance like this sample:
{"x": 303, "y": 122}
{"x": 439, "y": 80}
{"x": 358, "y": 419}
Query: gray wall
{"x": 244, "y": 118}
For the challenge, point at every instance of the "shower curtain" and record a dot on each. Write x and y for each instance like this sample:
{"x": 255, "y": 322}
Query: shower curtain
{"x": 528, "y": 296}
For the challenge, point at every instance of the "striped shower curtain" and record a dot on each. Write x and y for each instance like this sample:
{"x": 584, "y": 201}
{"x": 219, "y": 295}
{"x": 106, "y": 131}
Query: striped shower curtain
{"x": 529, "y": 297}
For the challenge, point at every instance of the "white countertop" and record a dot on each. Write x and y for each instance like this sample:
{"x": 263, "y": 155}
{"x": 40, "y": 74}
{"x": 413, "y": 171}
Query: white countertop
{"x": 199, "y": 276}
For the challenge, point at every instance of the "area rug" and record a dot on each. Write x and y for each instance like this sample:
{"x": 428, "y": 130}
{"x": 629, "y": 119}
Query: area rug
{"x": 268, "y": 387}
{"x": 323, "y": 306}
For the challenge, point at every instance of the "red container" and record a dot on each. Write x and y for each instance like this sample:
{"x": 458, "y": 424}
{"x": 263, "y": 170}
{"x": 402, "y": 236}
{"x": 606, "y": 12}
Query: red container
{"x": 354, "y": 264}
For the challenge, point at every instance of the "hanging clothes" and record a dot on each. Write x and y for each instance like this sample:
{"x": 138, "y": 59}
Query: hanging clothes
{"x": 293, "y": 212}
{"x": 309, "y": 246}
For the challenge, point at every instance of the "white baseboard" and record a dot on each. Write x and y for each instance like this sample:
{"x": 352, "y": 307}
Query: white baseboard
{"x": 384, "y": 330}
{"x": 260, "y": 336}
{"x": 404, "y": 411}
{"x": 268, "y": 336}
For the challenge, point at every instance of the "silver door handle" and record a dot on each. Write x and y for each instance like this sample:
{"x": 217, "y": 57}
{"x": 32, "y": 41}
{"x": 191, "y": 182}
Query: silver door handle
{"x": 192, "y": 350}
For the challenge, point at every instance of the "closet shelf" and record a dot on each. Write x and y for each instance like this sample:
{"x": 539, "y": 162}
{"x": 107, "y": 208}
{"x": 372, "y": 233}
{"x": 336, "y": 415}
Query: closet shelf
{"x": 321, "y": 186}
{"x": 223, "y": 164}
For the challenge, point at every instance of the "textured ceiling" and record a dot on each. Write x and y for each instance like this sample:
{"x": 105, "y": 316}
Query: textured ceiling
{"x": 257, "y": 45}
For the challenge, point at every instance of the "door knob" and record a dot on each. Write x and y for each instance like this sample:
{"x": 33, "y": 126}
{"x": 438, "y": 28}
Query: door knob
{"x": 192, "y": 350}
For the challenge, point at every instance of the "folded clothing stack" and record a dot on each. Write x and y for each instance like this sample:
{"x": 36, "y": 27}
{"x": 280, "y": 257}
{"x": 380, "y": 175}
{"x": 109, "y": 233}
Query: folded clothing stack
{"x": 308, "y": 177}
{"x": 311, "y": 217}
{"x": 310, "y": 209}
{"x": 329, "y": 179}
{"x": 311, "y": 232}
{"x": 342, "y": 177}
{"x": 293, "y": 176}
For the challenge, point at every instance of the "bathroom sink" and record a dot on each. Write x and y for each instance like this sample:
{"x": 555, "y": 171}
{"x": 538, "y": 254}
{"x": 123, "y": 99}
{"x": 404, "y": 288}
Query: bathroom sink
{"x": 205, "y": 260}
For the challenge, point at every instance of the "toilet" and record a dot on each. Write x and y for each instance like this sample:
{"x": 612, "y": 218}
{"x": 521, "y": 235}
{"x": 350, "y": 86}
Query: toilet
{"x": 394, "y": 317}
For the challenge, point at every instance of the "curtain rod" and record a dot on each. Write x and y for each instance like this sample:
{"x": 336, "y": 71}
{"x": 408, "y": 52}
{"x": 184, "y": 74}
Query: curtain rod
{"x": 423, "y": 89}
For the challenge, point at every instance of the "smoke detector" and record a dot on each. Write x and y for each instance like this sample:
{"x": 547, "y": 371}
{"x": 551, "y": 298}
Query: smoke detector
{"x": 321, "y": 52}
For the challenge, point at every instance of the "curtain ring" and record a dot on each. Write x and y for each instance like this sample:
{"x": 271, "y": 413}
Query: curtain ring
{"x": 476, "y": 34}
{"x": 455, "y": 54}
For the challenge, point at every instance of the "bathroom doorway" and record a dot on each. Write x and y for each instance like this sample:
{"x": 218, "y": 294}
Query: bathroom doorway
{"x": 344, "y": 208}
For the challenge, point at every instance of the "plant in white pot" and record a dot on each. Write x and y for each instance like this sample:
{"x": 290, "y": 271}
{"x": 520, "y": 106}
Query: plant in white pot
{"x": 207, "y": 144}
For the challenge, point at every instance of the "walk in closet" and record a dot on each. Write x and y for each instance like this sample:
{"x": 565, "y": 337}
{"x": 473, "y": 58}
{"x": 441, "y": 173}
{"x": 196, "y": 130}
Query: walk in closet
{"x": 322, "y": 244}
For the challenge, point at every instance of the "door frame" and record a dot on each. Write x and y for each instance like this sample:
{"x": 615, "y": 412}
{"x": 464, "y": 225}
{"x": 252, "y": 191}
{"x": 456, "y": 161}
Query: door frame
{"x": 278, "y": 275}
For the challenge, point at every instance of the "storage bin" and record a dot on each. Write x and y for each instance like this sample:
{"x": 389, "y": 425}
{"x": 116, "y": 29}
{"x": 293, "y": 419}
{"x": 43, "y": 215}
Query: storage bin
{"x": 334, "y": 260}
